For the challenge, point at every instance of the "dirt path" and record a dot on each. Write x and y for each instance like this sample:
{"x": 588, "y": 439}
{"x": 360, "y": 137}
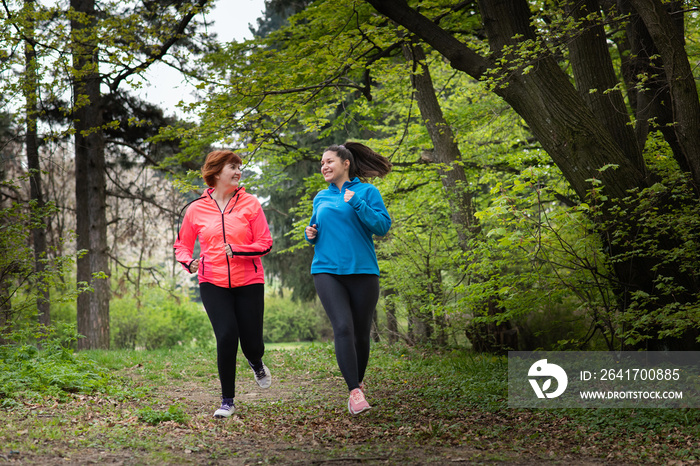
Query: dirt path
{"x": 302, "y": 419}
{"x": 299, "y": 420}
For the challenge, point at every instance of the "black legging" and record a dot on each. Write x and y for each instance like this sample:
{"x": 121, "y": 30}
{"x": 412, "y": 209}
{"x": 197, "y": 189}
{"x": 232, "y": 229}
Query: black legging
{"x": 235, "y": 313}
{"x": 349, "y": 301}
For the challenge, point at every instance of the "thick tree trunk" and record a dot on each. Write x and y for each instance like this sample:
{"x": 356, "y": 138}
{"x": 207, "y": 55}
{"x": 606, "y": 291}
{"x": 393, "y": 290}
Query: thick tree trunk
{"x": 592, "y": 67}
{"x": 557, "y": 115}
{"x": 553, "y": 103}
{"x": 684, "y": 94}
{"x": 33, "y": 164}
{"x": 596, "y": 81}
{"x": 650, "y": 99}
{"x": 90, "y": 192}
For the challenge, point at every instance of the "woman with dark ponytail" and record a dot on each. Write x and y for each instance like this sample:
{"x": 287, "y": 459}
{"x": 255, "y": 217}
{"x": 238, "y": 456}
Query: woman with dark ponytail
{"x": 346, "y": 274}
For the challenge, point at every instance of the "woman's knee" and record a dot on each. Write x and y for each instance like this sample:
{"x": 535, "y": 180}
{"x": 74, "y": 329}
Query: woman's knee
{"x": 343, "y": 330}
{"x": 227, "y": 337}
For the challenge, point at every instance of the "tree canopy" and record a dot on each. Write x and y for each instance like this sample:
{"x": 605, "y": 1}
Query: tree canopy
{"x": 568, "y": 120}
{"x": 546, "y": 156}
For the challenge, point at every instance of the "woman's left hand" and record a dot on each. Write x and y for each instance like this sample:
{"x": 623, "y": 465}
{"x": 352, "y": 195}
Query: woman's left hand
{"x": 348, "y": 195}
{"x": 228, "y": 250}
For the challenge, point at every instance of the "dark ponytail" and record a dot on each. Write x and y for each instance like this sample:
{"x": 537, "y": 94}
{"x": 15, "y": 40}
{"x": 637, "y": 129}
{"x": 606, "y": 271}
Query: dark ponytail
{"x": 364, "y": 162}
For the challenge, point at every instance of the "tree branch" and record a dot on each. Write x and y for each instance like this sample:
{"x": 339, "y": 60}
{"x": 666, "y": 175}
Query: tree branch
{"x": 460, "y": 56}
{"x": 162, "y": 51}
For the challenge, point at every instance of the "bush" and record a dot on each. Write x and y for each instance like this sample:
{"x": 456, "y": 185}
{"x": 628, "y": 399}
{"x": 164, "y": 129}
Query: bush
{"x": 54, "y": 371}
{"x": 158, "y": 321}
{"x": 287, "y": 320}
{"x": 22, "y": 282}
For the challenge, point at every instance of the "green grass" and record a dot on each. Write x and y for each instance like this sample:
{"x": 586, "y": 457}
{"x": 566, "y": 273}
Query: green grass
{"x": 288, "y": 346}
{"x": 155, "y": 407}
{"x": 156, "y": 416}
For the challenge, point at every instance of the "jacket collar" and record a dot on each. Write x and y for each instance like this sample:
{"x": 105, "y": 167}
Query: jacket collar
{"x": 231, "y": 203}
{"x": 208, "y": 191}
{"x": 333, "y": 188}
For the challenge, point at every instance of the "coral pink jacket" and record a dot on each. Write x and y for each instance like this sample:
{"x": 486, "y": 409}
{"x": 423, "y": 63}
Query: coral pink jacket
{"x": 242, "y": 225}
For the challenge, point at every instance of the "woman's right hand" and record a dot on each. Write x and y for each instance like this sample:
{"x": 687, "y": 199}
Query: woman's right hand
{"x": 194, "y": 266}
{"x": 311, "y": 231}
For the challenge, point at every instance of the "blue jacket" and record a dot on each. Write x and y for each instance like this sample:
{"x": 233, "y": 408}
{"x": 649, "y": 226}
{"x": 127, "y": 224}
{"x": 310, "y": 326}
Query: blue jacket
{"x": 343, "y": 244}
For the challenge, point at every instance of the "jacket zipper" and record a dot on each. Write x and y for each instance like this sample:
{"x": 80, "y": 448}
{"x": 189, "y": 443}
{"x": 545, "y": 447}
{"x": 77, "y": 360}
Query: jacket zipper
{"x": 223, "y": 231}
{"x": 228, "y": 262}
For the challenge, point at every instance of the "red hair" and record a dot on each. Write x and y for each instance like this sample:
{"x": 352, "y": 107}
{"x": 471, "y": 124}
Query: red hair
{"x": 215, "y": 162}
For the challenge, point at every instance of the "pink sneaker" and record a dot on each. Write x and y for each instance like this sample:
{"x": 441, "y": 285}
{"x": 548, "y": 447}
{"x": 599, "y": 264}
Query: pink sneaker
{"x": 357, "y": 402}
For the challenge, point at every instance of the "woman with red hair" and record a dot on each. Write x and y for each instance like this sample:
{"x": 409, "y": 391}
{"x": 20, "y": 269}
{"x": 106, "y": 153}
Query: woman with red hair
{"x": 233, "y": 235}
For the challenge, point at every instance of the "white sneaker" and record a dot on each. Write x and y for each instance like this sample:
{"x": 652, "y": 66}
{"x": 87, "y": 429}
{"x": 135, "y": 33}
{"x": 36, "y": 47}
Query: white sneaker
{"x": 227, "y": 408}
{"x": 262, "y": 376}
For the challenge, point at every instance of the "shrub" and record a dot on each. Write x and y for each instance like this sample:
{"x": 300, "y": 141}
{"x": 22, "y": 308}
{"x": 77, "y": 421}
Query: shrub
{"x": 158, "y": 320}
{"x": 54, "y": 371}
{"x": 287, "y": 320}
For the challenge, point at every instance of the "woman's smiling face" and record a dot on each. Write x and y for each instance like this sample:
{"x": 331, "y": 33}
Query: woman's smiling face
{"x": 334, "y": 169}
{"x": 229, "y": 177}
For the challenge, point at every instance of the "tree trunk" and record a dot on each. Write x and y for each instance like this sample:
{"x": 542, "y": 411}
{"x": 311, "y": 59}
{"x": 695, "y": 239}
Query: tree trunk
{"x": 445, "y": 149}
{"x": 420, "y": 326}
{"x": 684, "y": 94}
{"x": 5, "y": 309}
{"x": 31, "y": 89}
{"x": 596, "y": 81}
{"x": 446, "y": 152}
{"x": 557, "y": 115}
{"x": 436, "y": 296}
{"x": 391, "y": 322}
{"x": 90, "y": 192}
{"x": 374, "y": 331}
{"x": 649, "y": 96}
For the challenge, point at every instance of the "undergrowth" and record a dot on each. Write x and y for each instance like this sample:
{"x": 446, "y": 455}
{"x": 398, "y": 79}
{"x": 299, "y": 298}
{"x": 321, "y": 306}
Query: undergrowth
{"x": 426, "y": 402}
{"x": 156, "y": 416}
{"x": 53, "y": 372}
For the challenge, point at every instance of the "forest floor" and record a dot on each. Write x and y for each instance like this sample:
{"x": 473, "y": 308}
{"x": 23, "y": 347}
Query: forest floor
{"x": 421, "y": 415}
